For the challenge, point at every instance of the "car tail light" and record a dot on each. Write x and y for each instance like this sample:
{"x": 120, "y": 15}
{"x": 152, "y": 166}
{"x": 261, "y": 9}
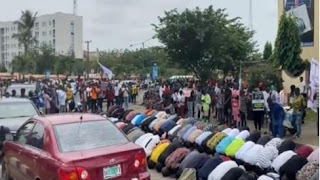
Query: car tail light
{"x": 73, "y": 174}
{"x": 140, "y": 161}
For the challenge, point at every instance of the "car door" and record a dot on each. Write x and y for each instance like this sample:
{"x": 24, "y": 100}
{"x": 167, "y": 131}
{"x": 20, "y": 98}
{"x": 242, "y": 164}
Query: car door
{"x": 14, "y": 150}
{"x": 33, "y": 149}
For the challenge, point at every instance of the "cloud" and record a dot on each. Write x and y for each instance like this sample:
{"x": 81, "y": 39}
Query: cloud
{"x": 114, "y": 24}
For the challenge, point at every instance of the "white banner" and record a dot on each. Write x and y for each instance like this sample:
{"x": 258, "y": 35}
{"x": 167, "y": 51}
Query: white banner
{"x": 314, "y": 83}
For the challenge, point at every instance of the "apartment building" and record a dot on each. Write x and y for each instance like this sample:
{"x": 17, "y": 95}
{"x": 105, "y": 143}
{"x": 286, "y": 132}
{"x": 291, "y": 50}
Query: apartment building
{"x": 61, "y": 31}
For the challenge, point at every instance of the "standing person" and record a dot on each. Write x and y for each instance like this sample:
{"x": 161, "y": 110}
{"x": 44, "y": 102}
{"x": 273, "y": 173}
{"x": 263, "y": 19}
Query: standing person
{"x": 100, "y": 97}
{"x": 23, "y": 93}
{"x": 13, "y": 93}
{"x": 47, "y": 100}
{"x": 236, "y": 105}
{"x": 161, "y": 90}
{"x": 206, "y": 101}
{"x": 257, "y": 108}
{"x": 116, "y": 94}
{"x": 77, "y": 94}
{"x": 266, "y": 95}
{"x": 190, "y": 103}
{"x": 69, "y": 96}
{"x": 220, "y": 105}
{"x": 84, "y": 98}
{"x": 181, "y": 104}
{"x": 298, "y": 105}
{"x": 94, "y": 98}
{"x": 227, "y": 104}
{"x": 110, "y": 96}
{"x": 243, "y": 108}
{"x": 174, "y": 97}
{"x": 88, "y": 93}
{"x": 125, "y": 94}
{"x": 135, "y": 94}
{"x": 291, "y": 95}
{"x": 274, "y": 95}
{"x": 278, "y": 115}
{"x": 61, "y": 94}
{"x": 198, "y": 102}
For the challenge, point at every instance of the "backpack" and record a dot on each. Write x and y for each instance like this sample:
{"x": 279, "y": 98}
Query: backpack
{"x": 188, "y": 174}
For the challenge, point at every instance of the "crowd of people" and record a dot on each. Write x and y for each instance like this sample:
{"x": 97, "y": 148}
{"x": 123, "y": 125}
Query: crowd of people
{"x": 58, "y": 96}
{"x": 233, "y": 105}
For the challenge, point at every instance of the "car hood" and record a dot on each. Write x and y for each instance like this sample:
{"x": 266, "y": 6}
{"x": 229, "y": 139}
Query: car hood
{"x": 13, "y": 123}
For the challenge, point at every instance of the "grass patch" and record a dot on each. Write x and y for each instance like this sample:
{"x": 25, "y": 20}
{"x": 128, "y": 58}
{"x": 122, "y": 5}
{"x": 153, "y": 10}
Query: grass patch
{"x": 311, "y": 115}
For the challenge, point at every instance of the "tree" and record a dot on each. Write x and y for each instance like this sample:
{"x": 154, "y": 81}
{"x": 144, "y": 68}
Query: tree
{"x": 3, "y": 68}
{"x": 267, "y": 52}
{"x": 46, "y": 59}
{"x": 287, "y": 47}
{"x": 201, "y": 41}
{"x": 24, "y": 64}
{"x": 25, "y": 25}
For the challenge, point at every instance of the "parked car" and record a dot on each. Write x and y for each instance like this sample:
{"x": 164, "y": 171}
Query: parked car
{"x": 18, "y": 87}
{"x": 16, "y": 111}
{"x": 72, "y": 146}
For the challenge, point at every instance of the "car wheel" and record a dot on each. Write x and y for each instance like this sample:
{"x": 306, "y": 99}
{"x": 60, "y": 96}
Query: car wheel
{"x": 5, "y": 175}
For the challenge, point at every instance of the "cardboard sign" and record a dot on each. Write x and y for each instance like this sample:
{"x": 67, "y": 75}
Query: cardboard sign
{"x": 257, "y": 101}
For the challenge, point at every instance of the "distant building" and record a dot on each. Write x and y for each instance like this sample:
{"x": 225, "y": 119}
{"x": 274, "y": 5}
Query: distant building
{"x": 93, "y": 55}
{"x": 63, "y": 32}
{"x": 307, "y": 15}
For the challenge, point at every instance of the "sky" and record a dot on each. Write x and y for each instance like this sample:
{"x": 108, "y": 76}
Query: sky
{"x": 116, "y": 24}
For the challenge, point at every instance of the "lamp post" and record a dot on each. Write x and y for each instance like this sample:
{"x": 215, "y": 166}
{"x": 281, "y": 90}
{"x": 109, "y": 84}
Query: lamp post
{"x": 88, "y": 58}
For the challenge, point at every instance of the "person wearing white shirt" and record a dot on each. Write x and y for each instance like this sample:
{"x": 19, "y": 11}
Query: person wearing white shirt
{"x": 181, "y": 104}
{"x": 116, "y": 94}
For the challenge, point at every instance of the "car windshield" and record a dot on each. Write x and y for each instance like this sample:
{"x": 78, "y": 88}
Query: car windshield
{"x": 17, "y": 109}
{"x": 87, "y": 135}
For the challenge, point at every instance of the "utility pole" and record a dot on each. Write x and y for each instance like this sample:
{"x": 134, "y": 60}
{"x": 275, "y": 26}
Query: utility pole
{"x": 88, "y": 56}
{"x": 75, "y": 7}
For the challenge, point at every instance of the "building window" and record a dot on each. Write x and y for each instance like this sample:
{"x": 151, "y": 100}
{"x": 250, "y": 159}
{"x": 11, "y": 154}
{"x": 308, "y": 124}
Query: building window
{"x": 19, "y": 45}
{"x": 7, "y": 30}
{"x": 20, "y": 53}
{"x": 37, "y": 34}
{"x": 54, "y": 43}
{"x": 50, "y": 23}
{"x": 50, "y": 33}
{"x": 54, "y": 33}
{"x": 44, "y": 24}
{"x": 44, "y": 33}
{"x": 54, "y": 23}
{"x": 36, "y": 25}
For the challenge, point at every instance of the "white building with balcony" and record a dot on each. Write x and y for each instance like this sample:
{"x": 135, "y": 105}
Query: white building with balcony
{"x": 61, "y": 31}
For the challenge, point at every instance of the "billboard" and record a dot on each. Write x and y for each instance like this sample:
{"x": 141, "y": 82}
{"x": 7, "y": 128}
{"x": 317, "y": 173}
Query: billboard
{"x": 303, "y": 10}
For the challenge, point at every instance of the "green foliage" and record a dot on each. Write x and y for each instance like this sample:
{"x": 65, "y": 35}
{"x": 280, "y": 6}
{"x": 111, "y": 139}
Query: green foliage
{"x": 45, "y": 59}
{"x": 24, "y": 64}
{"x": 267, "y": 52}
{"x": 3, "y": 68}
{"x": 25, "y": 25}
{"x": 287, "y": 47}
{"x": 138, "y": 62}
{"x": 202, "y": 41}
{"x": 264, "y": 73}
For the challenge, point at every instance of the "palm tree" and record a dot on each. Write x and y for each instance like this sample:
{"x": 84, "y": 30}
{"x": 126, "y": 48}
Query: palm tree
{"x": 25, "y": 25}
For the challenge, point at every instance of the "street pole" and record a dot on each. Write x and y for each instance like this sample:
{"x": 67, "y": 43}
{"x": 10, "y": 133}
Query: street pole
{"x": 88, "y": 58}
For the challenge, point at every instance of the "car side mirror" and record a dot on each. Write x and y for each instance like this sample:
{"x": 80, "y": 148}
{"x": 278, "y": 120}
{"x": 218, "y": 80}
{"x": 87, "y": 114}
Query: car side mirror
{"x": 9, "y": 137}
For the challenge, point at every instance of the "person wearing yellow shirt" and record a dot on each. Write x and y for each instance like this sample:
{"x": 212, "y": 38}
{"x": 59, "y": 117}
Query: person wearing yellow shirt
{"x": 135, "y": 91}
{"x": 206, "y": 101}
{"x": 69, "y": 96}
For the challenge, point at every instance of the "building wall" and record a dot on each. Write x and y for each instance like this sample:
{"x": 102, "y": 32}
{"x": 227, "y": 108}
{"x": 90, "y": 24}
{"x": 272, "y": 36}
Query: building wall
{"x": 308, "y": 52}
{"x": 61, "y": 31}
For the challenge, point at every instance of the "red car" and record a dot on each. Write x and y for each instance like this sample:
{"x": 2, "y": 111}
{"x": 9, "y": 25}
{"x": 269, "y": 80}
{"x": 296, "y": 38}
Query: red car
{"x": 72, "y": 147}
